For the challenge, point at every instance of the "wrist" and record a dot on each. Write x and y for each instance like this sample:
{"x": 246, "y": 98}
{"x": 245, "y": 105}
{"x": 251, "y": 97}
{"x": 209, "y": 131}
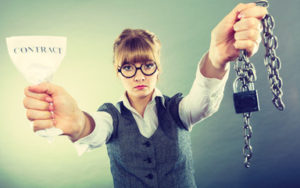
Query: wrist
{"x": 79, "y": 127}
{"x": 216, "y": 60}
{"x": 210, "y": 69}
{"x": 87, "y": 127}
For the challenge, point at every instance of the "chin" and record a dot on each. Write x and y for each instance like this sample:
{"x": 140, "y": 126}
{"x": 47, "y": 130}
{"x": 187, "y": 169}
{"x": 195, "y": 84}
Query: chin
{"x": 142, "y": 93}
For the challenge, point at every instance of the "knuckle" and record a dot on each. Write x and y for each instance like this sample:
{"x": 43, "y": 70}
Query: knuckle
{"x": 250, "y": 44}
{"x": 41, "y": 124}
{"x": 29, "y": 115}
{"x": 46, "y": 115}
{"x": 257, "y": 34}
{"x": 235, "y": 44}
{"x": 42, "y": 97}
{"x": 265, "y": 10}
{"x": 235, "y": 36}
{"x": 235, "y": 27}
{"x": 251, "y": 34}
{"x": 42, "y": 105}
{"x": 26, "y": 91}
{"x": 50, "y": 116}
{"x": 251, "y": 22}
{"x": 257, "y": 22}
{"x": 46, "y": 106}
{"x": 25, "y": 102}
{"x": 240, "y": 5}
{"x": 260, "y": 27}
{"x": 35, "y": 128}
{"x": 36, "y": 125}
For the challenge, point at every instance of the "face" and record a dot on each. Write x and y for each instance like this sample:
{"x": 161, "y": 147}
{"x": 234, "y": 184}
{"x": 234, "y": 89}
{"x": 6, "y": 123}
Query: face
{"x": 139, "y": 85}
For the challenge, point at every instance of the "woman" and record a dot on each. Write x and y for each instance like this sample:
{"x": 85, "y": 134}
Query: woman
{"x": 147, "y": 133}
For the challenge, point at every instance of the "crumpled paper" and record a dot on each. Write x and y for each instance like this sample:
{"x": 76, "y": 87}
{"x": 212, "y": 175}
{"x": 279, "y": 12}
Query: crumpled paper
{"x": 38, "y": 58}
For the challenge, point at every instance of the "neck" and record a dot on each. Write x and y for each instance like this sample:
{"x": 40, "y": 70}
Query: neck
{"x": 139, "y": 103}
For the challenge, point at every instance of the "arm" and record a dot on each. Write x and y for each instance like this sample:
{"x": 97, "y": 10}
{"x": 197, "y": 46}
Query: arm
{"x": 82, "y": 128}
{"x": 239, "y": 30}
{"x": 204, "y": 97}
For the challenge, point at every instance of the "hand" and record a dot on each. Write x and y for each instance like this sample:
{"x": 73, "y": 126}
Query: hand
{"x": 240, "y": 29}
{"x": 67, "y": 116}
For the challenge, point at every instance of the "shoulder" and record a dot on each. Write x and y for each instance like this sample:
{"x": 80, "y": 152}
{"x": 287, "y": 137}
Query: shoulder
{"x": 172, "y": 107}
{"x": 110, "y": 108}
{"x": 114, "y": 111}
{"x": 174, "y": 100}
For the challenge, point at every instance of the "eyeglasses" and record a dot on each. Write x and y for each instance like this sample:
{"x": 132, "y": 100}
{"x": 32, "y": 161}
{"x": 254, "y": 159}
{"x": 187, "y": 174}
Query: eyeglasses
{"x": 128, "y": 70}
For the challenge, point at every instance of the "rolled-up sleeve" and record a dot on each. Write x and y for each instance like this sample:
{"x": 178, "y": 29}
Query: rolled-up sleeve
{"x": 100, "y": 135}
{"x": 203, "y": 99}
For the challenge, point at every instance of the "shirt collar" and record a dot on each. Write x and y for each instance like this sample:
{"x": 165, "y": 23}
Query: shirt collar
{"x": 156, "y": 93}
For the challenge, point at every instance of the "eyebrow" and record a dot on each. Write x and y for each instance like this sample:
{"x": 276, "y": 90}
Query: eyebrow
{"x": 145, "y": 61}
{"x": 127, "y": 62}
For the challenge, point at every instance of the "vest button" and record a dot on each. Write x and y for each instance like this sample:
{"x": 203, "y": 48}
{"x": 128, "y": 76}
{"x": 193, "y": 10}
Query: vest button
{"x": 148, "y": 160}
{"x": 147, "y": 144}
{"x": 150, "y": 176}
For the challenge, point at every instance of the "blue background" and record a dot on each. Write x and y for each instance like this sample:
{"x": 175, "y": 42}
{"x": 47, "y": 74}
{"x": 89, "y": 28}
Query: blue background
{"x": 87, "y": 73}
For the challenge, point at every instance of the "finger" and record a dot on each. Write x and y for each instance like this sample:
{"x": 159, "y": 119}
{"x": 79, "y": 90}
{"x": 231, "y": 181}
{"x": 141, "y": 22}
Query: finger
{"x": 236, "y": 11}
{"x": 250, "y": 46}
{"x": 38, "y": 115}
{"x": 34, "y": 104}
{"x": 39, "y": 96}
{"x": 243, "y": 6}
{"x": 44, "y": 87}
{"x": 250, "y": 34}
{"x": 248, "y": 23}
{"x": 42, "y": 124}
{"x": 256, "y": 11}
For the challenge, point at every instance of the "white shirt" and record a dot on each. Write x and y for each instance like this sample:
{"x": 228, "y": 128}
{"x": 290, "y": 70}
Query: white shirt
{"x": 202, "y": 101}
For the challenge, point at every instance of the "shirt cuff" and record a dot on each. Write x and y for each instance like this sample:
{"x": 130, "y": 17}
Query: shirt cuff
{"x": 210, "y": 86}
{"x": 98, "y": 137}
{"x": 83, "y": 144}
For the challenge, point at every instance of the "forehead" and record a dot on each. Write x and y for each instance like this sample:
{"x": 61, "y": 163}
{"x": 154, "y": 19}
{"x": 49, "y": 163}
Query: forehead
{"x": 135, "y": 56}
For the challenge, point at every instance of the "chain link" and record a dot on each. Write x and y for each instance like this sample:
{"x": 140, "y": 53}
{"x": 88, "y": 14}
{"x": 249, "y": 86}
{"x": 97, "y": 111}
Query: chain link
{"x": 272, "y": 61}
{"x": 247, "y": 150}
{"x": 246, "y": 75}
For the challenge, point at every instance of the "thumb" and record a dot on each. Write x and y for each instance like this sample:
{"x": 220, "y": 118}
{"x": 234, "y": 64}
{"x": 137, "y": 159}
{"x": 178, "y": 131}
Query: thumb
{"x": 224, "y": 30}
{"x": 44, "y": 87}
{"x": 234, "y": 15}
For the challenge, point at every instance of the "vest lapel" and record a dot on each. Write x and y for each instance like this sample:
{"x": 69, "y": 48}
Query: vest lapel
{"x": 164, "y": 120}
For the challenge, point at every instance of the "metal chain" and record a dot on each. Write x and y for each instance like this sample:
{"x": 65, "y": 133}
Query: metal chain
{"x": 247, "y": 150}
{"x": 272, "y": 61}
{"x": 246, "y": 75}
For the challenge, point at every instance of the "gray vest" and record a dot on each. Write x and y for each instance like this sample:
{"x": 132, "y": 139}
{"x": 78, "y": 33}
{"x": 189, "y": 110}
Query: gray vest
{"x": 163, "y": 160}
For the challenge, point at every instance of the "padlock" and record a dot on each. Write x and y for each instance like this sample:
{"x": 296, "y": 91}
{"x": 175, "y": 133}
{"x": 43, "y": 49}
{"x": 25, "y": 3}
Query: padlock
{"x": 245, "y": 101}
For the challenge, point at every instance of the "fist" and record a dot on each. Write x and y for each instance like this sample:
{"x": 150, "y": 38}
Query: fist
{"x": 239, "y": 30}
{"x": 65, "y": 113}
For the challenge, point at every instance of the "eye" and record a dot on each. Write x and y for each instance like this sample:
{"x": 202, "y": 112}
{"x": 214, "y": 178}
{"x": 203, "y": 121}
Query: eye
{"x": 149, "y": 65}
{"x": 127, "y": 67}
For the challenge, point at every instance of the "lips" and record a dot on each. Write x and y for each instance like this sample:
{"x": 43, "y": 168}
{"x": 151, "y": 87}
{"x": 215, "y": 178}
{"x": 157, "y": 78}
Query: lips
{"x": 140, "y": 86}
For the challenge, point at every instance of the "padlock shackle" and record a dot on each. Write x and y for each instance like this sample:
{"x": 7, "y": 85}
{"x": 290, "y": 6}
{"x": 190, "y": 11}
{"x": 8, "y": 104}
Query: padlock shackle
{"x": 237, "y": 88}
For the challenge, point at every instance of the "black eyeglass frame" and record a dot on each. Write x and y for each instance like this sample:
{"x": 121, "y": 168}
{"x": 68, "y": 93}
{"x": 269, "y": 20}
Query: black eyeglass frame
{"x": 136, "y": 69}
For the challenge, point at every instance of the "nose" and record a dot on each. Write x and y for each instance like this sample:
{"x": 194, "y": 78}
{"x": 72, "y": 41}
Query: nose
{"x": 139, "y": 76}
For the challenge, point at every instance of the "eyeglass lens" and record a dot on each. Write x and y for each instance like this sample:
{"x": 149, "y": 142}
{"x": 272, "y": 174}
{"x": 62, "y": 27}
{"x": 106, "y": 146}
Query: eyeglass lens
{"x": 129, "y": 69}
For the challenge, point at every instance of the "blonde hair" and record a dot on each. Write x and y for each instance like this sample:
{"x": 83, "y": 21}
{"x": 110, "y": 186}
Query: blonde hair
{"x": 136, "y": 45}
